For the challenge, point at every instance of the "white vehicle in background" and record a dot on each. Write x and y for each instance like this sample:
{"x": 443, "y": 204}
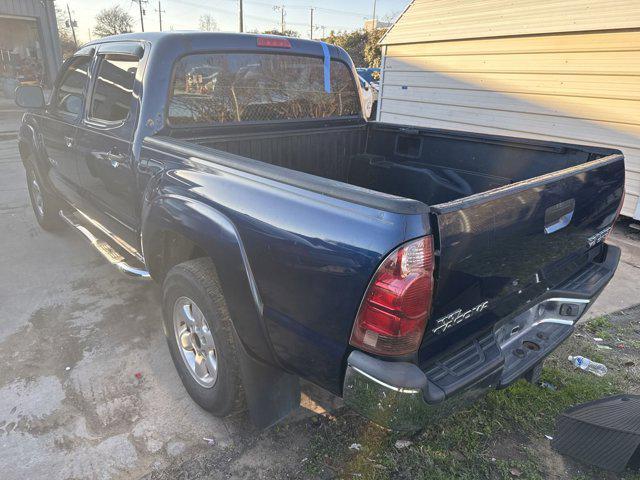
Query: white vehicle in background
{"x": 367, "y": 94}
{"x": 371, "y": 77}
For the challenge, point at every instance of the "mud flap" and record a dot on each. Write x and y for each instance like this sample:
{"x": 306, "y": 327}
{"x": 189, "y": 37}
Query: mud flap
{"x": 270, "y": 392}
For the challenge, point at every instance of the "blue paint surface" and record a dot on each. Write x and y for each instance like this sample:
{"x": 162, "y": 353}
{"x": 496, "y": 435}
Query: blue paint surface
{"x": 327, "y": 67}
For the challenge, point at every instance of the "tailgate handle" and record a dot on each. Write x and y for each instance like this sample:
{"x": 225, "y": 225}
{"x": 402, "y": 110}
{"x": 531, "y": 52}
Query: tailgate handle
{"x": 558, "y": 216}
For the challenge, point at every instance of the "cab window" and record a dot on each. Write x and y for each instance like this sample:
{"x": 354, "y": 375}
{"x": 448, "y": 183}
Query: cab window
{"x": 217, "y": 88}
{"x": 69, "y": 96}
{"x": 113, "y": 92}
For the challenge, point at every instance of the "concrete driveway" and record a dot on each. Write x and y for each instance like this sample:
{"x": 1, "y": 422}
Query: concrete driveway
{"x": 74, "y": 338}
{"x": 87, "y": 387}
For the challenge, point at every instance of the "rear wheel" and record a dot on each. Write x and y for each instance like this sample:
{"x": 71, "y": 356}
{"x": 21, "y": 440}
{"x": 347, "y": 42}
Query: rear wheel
{"x": 200, "y": 337}
{"x": 45, "y": 206}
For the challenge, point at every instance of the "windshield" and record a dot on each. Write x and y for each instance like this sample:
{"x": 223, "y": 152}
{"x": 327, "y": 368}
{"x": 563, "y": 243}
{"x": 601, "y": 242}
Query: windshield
{"x": 239, "y": 87}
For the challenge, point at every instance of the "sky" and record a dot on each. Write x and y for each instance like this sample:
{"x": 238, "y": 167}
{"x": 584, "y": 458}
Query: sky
{"x": 258, "y": 14}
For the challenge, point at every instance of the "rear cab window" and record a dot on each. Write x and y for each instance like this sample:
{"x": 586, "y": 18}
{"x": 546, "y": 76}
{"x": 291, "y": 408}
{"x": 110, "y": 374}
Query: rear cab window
{"x": 221, "y": 88}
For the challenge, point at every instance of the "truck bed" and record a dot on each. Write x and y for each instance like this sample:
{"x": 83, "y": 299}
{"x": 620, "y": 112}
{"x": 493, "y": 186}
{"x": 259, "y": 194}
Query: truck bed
{"x": 512, "y": 219}
{"x": 432, "y": 167}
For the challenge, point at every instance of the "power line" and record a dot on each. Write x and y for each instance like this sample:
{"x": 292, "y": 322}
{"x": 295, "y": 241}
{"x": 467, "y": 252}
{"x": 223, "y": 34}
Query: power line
{"x": 271, "y": 5}
{"x": 331, "y": 10}
{"x": 302, "y": 7}
{"x": 220, "y": 10}
{"x": 269, "y": 20}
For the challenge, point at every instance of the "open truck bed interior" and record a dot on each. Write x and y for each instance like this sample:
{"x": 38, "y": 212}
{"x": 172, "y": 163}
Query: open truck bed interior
{"x": 429, "y": 166}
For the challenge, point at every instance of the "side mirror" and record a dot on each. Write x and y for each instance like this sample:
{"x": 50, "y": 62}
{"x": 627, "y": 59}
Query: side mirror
{"x": 71, "y": 103}
{"x": 30, "y": 96}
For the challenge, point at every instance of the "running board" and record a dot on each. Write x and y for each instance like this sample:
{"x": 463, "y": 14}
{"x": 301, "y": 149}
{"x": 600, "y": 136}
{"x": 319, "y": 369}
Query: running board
{"x": 107, "y": 251}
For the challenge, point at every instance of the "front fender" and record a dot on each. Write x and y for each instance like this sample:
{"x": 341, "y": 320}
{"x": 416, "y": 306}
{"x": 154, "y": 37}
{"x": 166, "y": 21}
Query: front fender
{"x": 217, "y": 236}
{"x": 31, "y": 148}
{"x": 26, "y": 142}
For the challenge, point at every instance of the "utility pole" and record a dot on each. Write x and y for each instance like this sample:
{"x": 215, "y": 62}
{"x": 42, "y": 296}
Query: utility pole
{"x": 160, "y": 12}
{"x": 311, "y": 30}
{"x": 240, "y": 17}
{"x": 282, "y": 14}
{"x": 142, "y": 12}
{"x": 374, "y": 15}
{"x": 73, "y": 25}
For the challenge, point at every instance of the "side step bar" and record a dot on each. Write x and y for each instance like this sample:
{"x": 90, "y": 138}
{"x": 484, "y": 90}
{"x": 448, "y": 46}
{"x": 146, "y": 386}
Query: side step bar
{"x": 107, "y": 251}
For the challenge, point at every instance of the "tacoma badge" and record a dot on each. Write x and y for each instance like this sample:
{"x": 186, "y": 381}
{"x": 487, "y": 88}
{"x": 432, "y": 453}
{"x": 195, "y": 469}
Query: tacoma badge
{"x": 598, "y": 237}
{"x": 454, "y": 318}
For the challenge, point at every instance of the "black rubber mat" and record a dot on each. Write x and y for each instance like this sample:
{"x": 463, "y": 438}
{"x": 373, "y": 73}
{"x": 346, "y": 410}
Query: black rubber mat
{"x": 604, "y": 433}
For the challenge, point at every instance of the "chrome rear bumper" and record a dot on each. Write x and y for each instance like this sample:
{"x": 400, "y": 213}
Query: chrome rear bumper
{"x": 399, "y": 405}
{"x": 401, "y": 396}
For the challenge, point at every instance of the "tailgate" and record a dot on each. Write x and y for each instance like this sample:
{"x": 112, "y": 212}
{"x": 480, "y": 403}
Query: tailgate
{"x": 501, "y": 249}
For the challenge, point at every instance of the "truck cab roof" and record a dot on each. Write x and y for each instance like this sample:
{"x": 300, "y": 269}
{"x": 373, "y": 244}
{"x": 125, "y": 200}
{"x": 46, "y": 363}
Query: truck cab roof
{"x": 161, "y": 51}
{"x": 194, "y": 41}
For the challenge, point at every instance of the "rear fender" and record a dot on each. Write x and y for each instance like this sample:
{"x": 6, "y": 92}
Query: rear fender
{"x": 271, "y": 392}
{"x": 218, "y": 237}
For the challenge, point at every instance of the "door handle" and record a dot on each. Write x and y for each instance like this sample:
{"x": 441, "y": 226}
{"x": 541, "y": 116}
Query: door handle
{"x": 68, "y": 141}
{"x": 558, "y": 216}
{"x": 115, "y": 158}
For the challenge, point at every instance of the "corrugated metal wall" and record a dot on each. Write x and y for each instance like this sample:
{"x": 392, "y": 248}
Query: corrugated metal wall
{"x": 572, "y": 87}
{"x": 44, "y": 13}
{"x": 27, "y": 8}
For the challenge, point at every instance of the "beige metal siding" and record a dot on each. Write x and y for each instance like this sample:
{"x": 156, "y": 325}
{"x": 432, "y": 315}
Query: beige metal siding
{"x": 582, "y": 88}
{"x": 438, "y": 20}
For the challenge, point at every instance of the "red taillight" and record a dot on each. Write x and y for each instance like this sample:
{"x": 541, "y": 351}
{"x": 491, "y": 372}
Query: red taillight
{"x": 274, "y": 42}
{"x": 396, "y": 306}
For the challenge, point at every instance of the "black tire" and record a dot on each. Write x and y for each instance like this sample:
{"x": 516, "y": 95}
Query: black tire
{"x": 534, "y": 373}
{"x": 197, "y": 279}
{"x": 45, "y": 206}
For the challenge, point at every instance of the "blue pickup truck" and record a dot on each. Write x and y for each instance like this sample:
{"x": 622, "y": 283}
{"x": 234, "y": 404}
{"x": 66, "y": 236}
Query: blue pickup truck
{"x": 404, "y": 269}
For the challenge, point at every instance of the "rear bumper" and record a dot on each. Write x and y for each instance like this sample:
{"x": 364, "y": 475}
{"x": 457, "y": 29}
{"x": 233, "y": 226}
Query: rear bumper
{"x": 400, "y": 396}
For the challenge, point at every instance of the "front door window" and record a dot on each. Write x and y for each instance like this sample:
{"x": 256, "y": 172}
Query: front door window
{"x": 69, "y": 95}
